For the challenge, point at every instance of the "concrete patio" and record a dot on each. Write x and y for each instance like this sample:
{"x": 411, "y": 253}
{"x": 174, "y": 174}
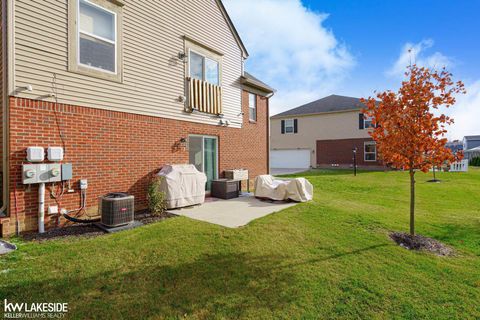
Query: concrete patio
{"x": 232, "y": 213}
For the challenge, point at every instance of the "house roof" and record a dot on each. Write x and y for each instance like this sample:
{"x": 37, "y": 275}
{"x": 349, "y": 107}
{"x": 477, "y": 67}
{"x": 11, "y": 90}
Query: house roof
{"x": 472, "y": 137}
{"x": 332, "y": 103}
{"x": 476, "y": 149}
{"x": 254, "y": 82}
{"x": 233, "y": 29}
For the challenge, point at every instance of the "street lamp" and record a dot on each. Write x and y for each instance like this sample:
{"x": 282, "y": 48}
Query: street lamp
{"x": 354, "y": 161}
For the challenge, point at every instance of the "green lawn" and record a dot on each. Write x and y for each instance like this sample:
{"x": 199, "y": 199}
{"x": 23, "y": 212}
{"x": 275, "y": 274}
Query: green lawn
{"x": 327, "y": 259}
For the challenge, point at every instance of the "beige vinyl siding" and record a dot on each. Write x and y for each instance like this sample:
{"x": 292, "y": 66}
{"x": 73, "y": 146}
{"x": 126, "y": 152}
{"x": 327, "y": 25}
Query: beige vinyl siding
{"x": 153, "y": 76}
{"x": 325, "y": 126}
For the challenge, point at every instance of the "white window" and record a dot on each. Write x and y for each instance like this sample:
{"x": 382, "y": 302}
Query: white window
{"x": 97, "y": 37}
{"x": 289, "y": 126}
{"x": 367, "y": 122}
{"x": 204, "y": 68}
{"x": 252, "y": 107}
{"x": 370, "y": 151}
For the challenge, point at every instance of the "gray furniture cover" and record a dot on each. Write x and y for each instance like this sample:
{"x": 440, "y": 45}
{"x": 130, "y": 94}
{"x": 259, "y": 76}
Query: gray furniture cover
{"x": 297, "y": 189}
{"x": 183, "y": 185}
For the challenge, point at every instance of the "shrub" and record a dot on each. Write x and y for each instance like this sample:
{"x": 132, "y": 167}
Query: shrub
{"x": 475, "y": 161}
{"x": 156, "y": 197}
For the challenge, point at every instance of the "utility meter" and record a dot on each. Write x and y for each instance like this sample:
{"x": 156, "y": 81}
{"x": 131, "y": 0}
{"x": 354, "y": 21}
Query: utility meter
{"x": 55, "y": 172}
{"x": 30, "y": 173}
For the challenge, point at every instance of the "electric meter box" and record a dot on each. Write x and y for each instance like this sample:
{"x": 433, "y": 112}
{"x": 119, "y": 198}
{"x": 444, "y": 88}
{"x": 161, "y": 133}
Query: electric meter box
{"x": 55, "y": 172}
{"x": 41, "y": 173}
{"x": 35, "y": 154}
{"x": 55, "y": 153}
{"x": 67, "y": 171}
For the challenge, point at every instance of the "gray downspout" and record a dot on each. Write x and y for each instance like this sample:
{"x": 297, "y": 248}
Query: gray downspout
{"x": 268, "y": 131}
{"x": 3, "y": 209}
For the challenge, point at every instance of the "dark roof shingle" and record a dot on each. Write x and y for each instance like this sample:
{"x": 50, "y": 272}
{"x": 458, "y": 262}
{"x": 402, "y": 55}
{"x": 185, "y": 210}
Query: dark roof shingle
{"x": 250, "y": 80}
{"x": 332, "y": 103}
{"x": 477, "y": 137}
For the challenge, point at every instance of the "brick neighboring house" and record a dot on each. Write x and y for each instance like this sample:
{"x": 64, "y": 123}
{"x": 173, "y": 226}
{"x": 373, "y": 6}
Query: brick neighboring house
{"x": 124, "y": 87}
{"x": 322, "y": 133}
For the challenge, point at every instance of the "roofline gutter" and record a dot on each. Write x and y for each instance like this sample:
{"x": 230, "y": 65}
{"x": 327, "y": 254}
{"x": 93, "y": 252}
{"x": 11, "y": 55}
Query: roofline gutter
{"x": 257, "y": 85}
{"x": 277, "y": 116}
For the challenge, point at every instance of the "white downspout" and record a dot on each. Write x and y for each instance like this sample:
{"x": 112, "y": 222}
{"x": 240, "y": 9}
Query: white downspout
{"x": 41, "y": 208}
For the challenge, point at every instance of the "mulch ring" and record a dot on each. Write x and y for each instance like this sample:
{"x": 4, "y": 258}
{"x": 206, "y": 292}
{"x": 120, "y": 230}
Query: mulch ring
{"x": 419, "y": 242}
{"x": 88, "y": 230}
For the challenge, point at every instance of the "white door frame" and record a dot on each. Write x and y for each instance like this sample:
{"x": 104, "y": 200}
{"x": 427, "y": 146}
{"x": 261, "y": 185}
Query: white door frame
{"x": 203, "y": 136}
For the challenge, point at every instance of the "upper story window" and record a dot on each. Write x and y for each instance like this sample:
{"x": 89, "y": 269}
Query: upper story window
{"x": 252, "y": 107}
{"x": 368, "y": 122}
{"x": 97, "y": 37}
{"x": 204, "y": 77}
{"x": 204, "y": 68}
{"x": 370, "y": 151}
{"x": 94, "y": 39}
{"x": 289, "y": 126}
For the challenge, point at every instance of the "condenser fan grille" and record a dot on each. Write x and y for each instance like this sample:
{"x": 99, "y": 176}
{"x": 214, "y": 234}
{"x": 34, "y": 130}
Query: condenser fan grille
{"x": 117, "y": 208}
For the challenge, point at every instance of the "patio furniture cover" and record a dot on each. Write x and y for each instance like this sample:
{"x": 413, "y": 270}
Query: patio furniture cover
{"x": 183, "y": 185}
{"x": 297, "y": 189}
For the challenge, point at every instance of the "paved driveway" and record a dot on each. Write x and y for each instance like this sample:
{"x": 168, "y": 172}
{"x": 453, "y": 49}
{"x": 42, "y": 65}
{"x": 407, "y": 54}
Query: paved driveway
{"x": 278, "y": 171}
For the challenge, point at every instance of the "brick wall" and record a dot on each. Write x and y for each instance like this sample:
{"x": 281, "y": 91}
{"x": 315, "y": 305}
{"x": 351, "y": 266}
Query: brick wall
{"x": 117, "y": 151}
{"x": 340, "y": 152}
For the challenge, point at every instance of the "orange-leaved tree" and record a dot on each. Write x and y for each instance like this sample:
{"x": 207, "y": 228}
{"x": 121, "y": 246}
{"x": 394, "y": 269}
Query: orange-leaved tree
{"x": 407, "y": 133}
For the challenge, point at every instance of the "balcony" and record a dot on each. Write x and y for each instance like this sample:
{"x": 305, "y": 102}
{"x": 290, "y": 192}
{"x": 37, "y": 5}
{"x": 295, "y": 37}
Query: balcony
{"x": 204, "y": 97}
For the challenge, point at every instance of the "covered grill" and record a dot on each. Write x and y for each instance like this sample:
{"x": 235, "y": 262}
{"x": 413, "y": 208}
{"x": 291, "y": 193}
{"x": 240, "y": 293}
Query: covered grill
{"x": 183, "y": 185}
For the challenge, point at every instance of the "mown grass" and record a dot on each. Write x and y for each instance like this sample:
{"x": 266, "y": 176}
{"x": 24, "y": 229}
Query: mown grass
{"x": 327, "y": 259}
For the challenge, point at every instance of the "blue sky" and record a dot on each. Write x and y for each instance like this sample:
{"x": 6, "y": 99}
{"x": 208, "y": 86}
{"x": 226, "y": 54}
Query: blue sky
{"x": 310, "y": 49}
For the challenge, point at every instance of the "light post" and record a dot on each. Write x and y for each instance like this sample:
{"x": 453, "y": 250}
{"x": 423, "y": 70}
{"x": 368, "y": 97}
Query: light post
{"x": 354, "y": 161}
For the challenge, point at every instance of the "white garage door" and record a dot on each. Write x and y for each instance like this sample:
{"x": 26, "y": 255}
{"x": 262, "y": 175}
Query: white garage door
{"x": 292, "y": 158}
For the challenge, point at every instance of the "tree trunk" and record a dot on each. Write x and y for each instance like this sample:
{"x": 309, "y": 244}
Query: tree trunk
{"x": 412, "y": 202}
{"x": 434, "y": 178}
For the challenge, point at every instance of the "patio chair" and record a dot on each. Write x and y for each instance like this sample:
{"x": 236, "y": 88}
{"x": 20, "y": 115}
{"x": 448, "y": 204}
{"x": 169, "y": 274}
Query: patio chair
{"x": 296, "y": 189}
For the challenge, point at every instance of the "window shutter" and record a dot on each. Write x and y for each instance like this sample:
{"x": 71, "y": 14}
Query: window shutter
{"x": 283, "y": 126}
{"x": 295, "y": 126}
{"x": 360, "y": 121}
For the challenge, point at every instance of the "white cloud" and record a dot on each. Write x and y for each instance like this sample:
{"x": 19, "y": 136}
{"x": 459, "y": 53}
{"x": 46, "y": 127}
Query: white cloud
{"x": 415, "y": 53}
{"x": 466, "y": 113}
{"x": 290, "y": 49}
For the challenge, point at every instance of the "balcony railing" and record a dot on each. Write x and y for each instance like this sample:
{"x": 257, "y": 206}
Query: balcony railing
{"x": 204, "y": 96}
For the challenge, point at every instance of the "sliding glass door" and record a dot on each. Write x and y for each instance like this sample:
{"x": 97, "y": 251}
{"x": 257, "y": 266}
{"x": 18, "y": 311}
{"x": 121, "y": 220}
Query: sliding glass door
{"x": 203, "y": 153}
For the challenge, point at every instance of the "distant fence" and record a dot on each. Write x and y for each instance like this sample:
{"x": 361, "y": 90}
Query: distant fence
{"x": 459, "y": 166}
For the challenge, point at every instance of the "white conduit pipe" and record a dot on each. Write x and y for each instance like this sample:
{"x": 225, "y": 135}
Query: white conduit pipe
{"x": 41, "y": 208}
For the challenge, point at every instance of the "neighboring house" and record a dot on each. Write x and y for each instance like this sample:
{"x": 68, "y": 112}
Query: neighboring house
{"x": 454, "y": 146}
{"x": 124, "y": 87}
{"x": 471, "y": 146}
{"x": 472, "y": 153}
{"x": 470, "y": 142}
{"x": 322, "y": 133}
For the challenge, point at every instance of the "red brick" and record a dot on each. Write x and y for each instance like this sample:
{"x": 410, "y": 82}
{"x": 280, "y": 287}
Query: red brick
{"x": 118, "y": 151}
